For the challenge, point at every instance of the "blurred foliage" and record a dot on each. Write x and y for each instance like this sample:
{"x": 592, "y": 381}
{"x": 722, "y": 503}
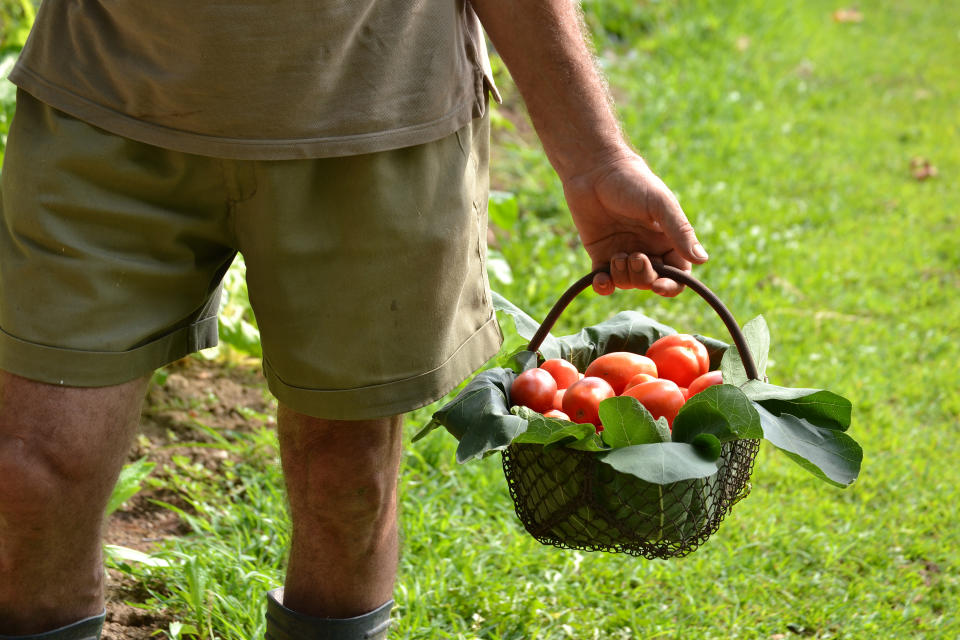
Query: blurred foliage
{"x": 16, "y": 18}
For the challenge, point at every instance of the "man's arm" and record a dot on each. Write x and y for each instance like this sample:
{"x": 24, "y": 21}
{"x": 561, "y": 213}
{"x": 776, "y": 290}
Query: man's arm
{"x": 621, "y": 209}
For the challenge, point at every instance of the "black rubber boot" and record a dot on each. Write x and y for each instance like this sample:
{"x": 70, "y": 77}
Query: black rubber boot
{"x": 88, "y": 629}
{"x": 284, "y": 624}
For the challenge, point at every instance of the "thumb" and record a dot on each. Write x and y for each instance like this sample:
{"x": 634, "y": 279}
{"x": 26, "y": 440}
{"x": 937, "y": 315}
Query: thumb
{"x": 680, "y": 232}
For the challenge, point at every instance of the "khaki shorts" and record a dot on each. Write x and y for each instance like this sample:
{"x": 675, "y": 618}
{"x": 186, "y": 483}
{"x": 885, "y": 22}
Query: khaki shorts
{"x": 366, "y": 273}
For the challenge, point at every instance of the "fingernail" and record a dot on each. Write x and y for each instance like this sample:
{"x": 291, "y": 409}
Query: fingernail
{"x": 699, "y": 252}
{"x": 619, "y": 264}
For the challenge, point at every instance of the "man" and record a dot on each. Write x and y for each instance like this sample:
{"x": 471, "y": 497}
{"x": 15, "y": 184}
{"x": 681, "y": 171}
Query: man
{"x": 341, "y": 146}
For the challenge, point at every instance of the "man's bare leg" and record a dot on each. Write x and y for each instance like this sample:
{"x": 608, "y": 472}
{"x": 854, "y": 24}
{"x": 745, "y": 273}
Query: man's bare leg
{"x": 341, "y": 479}
{"x": 61, "y": 450}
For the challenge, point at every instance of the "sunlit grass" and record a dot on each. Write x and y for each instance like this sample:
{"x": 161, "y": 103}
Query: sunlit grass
{"x": 788, "y": 137}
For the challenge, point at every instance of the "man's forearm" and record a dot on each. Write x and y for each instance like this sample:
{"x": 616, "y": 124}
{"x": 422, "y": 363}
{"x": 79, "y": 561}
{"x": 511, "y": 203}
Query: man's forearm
{"x": 542, "y": 43}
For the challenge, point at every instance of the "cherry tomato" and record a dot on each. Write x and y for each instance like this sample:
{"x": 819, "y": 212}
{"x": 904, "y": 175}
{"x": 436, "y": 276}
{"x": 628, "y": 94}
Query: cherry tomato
{"x": 562, "y": 371}
{"x": 618, "y": 367}
{"x": 680, "y": 358}
{"x": 534, "y": 389}
{"x": 558, "y": 399}
{"x": 661, "y": 398}
{"x": 637, "y": 379}
{"x": 708, "y": 379}
{"x": 582, "y": 400}
{"x": 556, "y": 413}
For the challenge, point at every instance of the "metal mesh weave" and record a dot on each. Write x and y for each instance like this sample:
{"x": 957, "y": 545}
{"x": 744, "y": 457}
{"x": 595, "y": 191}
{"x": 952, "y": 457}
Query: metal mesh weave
{"x": 573, "y": 500}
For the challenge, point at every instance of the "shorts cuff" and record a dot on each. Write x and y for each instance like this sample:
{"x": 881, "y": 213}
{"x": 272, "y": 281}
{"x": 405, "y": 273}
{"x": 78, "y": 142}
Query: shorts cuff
{"x": 78, "y": 368}
{"x": 391, "y": 398}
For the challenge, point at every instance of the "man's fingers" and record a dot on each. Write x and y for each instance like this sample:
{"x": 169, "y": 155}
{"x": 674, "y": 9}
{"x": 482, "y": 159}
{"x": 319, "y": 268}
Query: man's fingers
{"x": 603, "y": 284}
{"x": 632, "y": 271}
{"x": 636, "y": 271}
{"x": 642, "y": 275}
{"x": 665, "y": 286}
{"x": 620, "y": 271}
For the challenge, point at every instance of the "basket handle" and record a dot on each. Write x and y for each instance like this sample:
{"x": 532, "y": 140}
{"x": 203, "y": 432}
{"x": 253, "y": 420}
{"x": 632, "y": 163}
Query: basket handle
{"x": 665, "y": 271}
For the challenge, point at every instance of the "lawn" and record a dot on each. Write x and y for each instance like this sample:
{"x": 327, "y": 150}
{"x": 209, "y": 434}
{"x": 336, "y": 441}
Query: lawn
{"x": 817, "y": 153}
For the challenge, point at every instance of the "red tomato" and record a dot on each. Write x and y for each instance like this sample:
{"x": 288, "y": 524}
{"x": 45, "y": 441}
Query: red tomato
{"x": 617, "y": 367}
{"x": 660, "y": 397}
{"x": 562, "y": 371}
{"x": 637, "y": 379}
{"x": 680, "y": 358}
{"x": 534, "y": 389}
{"x": 708, "y": 379}
{"x": 558, "y": 399}
{"x": 582, "y": 400}
{"x": 556, "y": 413}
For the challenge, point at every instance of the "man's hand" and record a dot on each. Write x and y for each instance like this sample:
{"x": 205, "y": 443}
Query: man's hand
{"x": 627, "y": 216}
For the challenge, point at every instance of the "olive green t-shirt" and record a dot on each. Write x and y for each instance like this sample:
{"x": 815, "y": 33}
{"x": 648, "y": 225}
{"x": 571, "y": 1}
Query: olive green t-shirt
{"x": 264, "y": 79}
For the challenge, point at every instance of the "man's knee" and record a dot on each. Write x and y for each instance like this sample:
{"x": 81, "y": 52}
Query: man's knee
{"x": 57, "y": 443}
{"x": 341, "y": 473}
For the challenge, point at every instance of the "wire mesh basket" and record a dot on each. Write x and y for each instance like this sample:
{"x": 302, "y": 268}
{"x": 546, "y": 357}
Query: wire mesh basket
{"x": 571, "y": 499}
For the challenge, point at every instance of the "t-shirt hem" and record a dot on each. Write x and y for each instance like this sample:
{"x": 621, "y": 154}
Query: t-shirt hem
{"x": 238, "y": 148}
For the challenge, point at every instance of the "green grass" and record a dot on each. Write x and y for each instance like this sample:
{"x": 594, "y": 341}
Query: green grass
{"x": 788, "y": 138}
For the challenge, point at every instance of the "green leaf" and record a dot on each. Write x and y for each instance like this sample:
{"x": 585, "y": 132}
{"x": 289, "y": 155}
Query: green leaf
{"x": 128, "y": 483}
{"x": 715, "y": 349}
{"x": 503, "y": 209}
{"x": 550, "y": 432}
{"x": 486, "y": 386}
{"x": 126, "y": 554}
{"x": 757, "y": 336}
{"x": 823, "y": 408}
{"x": 660, "y": 463}
{"x": 663, "y": 428}
{"x": 627, "y": 331}
{"x": 498, "y": 268}
{"x": 525, "y": 325}
{"x": 523, "y": 360}
{"x": 626, "y": 422}
{"x": 829, "y": 454}
{"x": 592, "y": 442}
{"x": 721, "y": 410}
{"x": 479, "y": 417}
{"x": 493, "y": 432}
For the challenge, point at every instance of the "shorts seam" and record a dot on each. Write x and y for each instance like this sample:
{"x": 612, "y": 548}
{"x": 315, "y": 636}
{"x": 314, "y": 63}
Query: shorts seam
{"x": 118, "y": 123}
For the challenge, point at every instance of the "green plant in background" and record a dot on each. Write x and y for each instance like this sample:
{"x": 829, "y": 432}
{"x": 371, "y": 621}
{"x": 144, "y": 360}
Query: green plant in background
{"x": 129, "y": 484}
{"x": 16, "y": 18}
{"x": 238, "y": 327}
